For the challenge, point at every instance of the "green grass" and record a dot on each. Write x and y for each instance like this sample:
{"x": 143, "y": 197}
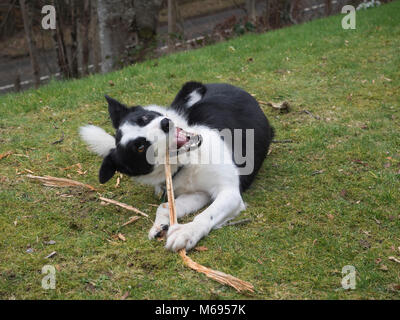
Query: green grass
{"x": 305, "y": 227}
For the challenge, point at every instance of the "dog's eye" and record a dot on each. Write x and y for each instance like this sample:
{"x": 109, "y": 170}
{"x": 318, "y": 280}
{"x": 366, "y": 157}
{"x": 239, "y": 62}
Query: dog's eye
{"x": 145, "y": 119}
{"x": 140, "y": 148}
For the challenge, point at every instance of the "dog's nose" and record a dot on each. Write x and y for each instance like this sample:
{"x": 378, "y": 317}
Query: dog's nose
{"x": 165, "y": 125}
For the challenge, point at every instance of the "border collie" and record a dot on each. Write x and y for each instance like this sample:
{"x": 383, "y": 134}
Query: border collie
{"x": 193, "y": 124}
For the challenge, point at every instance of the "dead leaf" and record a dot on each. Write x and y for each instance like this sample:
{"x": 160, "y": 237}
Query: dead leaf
{"x": 282, "y": 107}
{"x": 384, "y": 268}
{"x": 343, "y": 193}
{"x": 365, "y": 244}
{"x": 5, "y": 154}
{"x": 358, "y": 161}
{"x": 201, "y": 248}
{"x": 126, "y": 294}
{"x": 118, "y": 181}
{"x": 378, "y": 260}
{"x": 330, "y": 216}
{"x": 368, "y": 233}
{"x": 121, "y": 237}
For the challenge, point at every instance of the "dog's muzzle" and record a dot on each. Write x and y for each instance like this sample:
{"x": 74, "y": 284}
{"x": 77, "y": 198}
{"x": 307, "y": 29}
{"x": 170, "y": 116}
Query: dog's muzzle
{"x": 185, "y": 141}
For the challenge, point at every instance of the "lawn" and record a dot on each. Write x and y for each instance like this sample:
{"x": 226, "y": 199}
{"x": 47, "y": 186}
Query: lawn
{"x": 328, "y": 199}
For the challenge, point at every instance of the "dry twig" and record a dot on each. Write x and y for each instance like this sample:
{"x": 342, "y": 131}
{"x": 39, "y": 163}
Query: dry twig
{"x": 221, "y": 277}
{"x": 60, "y": 182}
{"x": 311, "y": 114}
{"x": 394, "y": 259}
{"x": 123, "y": 205}
{"x": 131, "y": 220}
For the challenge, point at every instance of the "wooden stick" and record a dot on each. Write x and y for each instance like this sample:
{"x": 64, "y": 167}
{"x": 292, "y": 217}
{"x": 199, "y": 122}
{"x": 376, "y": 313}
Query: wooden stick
{"x": 221, "y": 277}
{"x": 60, "y": 182}
{"x": 125, "y": 206}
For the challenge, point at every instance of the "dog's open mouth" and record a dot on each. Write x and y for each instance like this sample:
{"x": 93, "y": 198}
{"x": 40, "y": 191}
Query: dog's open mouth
{"x": 186, "y": 141}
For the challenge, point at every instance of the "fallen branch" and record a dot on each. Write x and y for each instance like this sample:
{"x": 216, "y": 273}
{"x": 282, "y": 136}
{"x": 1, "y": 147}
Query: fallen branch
{"x": 310, "y": 114}
{"x": 125, "y": 206}
{"x": 221, "y": 277}
{"x": 60, "y": 182}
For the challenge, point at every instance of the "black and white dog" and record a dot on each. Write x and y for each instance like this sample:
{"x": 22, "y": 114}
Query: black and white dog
{"x": 194, "y": 123}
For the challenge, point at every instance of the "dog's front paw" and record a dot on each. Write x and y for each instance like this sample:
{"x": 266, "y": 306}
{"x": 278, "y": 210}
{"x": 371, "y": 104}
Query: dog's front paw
{"x": 183, "y": 236}
{"x": 160, "y": 226}
{"x": 158, "y": 231}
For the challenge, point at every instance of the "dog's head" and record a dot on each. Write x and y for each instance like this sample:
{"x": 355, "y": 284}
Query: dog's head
{"x": 140, "y": 134}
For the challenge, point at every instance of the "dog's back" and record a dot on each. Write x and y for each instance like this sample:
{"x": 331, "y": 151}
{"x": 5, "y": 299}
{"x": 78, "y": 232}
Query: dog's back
{"x": 223, "y": 106}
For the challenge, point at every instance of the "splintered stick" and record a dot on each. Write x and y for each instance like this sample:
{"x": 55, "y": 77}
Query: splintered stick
{"x": 221, "y": 277}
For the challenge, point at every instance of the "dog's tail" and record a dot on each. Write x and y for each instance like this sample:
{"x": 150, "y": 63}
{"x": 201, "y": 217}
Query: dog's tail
{"x": 99, "y": 141}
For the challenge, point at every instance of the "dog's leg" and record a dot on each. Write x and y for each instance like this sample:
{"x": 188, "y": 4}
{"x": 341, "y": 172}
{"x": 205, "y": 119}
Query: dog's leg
{"x": 226, "y": 206}
{"x": 185, "y": 204}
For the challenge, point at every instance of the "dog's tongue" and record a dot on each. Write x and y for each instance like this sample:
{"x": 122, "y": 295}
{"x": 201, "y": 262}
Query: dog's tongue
{"x": 181, "y": 137}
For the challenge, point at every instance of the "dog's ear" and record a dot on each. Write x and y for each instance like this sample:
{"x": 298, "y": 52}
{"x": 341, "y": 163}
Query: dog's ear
{"x": 107, "y": 168}
{"x": 116, "y": 110}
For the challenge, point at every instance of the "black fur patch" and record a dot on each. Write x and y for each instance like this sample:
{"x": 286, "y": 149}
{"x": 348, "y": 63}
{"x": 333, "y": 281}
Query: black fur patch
{"x": 224, "y": 106}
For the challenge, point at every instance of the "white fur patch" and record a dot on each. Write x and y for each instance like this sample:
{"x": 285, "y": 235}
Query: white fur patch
{"x": 195, "y": 97}
{"x": 131, "y": 132}
{"x": 98, "y": 141}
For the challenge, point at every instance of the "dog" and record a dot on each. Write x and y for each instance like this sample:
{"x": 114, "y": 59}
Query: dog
{"x": 193, "y": 124}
